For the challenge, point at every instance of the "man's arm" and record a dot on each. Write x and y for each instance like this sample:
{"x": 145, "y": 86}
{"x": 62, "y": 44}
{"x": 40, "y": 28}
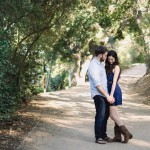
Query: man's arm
{"x": 110, "y": 99}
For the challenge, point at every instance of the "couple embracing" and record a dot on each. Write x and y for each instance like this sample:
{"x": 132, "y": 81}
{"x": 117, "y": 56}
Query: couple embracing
{"x": 107, "y": 95}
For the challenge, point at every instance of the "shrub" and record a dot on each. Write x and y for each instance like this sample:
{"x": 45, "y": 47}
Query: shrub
{"x": 8, "y": 90}
{"x": 59, "y": 82}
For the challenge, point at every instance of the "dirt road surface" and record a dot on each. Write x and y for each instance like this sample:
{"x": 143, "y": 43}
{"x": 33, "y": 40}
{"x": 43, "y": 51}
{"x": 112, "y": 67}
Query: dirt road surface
{"x": 66, "y": 119}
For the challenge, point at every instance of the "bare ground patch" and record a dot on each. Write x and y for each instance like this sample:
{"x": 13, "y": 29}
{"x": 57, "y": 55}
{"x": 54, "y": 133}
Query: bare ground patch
{"x": 142, "y": 87}
{"x": 13, "y": 131}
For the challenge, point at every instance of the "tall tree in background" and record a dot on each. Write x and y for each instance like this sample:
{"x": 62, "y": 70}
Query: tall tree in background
{"x": 36, "y": 33}
{"x": 22, "y": 25}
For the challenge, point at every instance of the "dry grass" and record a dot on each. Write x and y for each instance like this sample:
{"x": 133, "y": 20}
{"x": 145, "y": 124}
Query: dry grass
{"x": 143, "y": 87}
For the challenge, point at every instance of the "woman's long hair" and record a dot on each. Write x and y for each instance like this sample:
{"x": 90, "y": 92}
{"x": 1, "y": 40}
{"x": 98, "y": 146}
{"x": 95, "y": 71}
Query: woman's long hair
{"x": 109, "y": 67}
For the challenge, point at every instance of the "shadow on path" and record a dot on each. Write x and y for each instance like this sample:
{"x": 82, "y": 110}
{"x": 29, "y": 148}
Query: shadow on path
{"x": 66, "y": 119}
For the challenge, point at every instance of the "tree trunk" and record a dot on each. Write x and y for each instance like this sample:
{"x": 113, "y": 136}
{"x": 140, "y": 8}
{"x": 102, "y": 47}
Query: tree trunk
{"x": 84, "y": 69}
{"x": 76, "y": 71}
{"x": 148, "y": 66}
{"x": 44, "y": 82}
{"x": 79, "y": 76}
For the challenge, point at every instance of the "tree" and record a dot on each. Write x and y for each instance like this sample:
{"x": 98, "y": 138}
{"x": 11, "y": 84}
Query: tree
{"x": 36, "y": 33}
{"x": 22, "y": 27}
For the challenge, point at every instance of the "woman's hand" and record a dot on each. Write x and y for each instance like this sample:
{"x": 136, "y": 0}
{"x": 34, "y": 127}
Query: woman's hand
{"x": 110, "y": 99}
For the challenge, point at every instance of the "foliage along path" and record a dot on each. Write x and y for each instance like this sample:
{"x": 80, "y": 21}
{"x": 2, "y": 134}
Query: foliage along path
{"x": 66, "y": 118}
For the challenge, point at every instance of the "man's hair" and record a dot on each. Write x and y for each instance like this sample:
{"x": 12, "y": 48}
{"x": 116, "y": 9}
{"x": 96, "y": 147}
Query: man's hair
{"x": 100, "y": 50}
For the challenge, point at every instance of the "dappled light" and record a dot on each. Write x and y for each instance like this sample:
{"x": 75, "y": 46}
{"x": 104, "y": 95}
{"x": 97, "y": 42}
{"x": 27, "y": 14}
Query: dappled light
{"x": 45, "y": 51}
{"x": 69, "y": 114}
{"x": 141, "y": 143}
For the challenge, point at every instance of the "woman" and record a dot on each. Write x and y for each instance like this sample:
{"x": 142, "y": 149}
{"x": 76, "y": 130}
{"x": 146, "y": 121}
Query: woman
{"x": 113, "y": 74}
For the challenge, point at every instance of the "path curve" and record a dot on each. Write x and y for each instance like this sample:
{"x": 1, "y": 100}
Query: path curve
{"x": 66, "y": 119}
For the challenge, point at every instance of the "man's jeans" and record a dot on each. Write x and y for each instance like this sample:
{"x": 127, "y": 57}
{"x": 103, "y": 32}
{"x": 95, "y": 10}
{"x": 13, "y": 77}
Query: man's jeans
{"x": 101, "y": 117}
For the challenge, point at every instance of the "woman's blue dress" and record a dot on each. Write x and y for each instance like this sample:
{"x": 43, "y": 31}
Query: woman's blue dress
{"x": 117, "y": 93}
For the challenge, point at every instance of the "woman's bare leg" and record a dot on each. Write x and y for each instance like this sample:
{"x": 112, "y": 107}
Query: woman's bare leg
{"x": 122, "y": 129}
{"x": 114, "y": 115}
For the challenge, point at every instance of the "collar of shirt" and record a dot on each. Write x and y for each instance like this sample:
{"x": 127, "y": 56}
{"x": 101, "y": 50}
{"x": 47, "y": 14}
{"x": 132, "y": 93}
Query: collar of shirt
{"x": 98, "y": 62}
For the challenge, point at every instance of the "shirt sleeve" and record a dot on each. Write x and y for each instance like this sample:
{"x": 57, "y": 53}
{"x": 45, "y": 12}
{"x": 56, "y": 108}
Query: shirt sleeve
{"x": 95, "y": 76}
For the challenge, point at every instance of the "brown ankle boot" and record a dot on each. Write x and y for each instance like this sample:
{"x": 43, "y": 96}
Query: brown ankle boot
{"x": 126, "y": 133}
{"x": 117, "y": 133}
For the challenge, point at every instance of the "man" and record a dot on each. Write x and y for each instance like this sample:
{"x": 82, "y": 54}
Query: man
{"x": 98, "y": 87}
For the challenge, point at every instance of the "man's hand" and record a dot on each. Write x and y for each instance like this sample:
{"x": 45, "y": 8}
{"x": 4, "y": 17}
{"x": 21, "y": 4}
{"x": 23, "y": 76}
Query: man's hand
{"x": 110, "y": 99}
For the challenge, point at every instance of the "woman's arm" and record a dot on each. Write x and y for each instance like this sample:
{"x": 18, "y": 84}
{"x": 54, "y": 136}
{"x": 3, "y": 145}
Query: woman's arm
{"x": 110, "y": 99}
{"x": 116, "y": 74}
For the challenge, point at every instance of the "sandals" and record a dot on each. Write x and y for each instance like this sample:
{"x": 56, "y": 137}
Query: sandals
{"x": 100, "y": 141}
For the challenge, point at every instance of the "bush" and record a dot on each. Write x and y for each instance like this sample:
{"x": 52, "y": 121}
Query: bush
{"x": 59, "y": 82}
{"x": 136, "y": 56}
{"x": 8, "y": 90}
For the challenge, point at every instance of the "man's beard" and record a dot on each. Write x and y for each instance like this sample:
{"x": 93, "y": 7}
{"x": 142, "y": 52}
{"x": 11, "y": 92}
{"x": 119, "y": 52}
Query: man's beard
{"x": 102, "y": 59}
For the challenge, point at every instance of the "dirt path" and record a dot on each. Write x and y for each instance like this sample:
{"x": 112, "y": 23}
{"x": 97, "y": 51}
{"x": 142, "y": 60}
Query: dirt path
{"x": 66, "y": 119}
